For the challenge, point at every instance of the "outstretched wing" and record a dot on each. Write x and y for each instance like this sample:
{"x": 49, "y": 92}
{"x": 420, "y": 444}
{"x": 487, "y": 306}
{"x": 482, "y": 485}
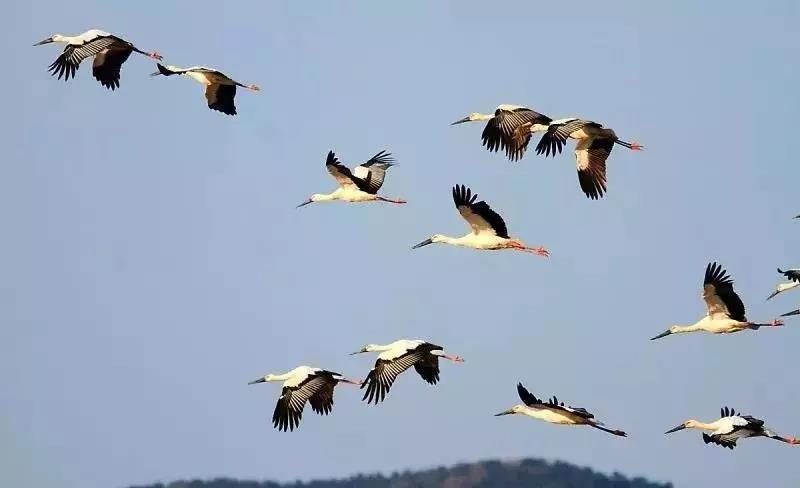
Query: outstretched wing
{"x": 220, "y": 98}
{"x": 67, "y": 63}
{"x": 107, "y": 64}
{"x": 791, "y": 274}
{"x": 341, "y": 173}
{"x": 553, "y": 140}
{"x": 289, "y": 409}
{"x": 428, "y": 369}
{"x": 499, "y": 132}
{"x": 379, "y": 381}
{"x": 590, "y": 159}
{"x": 480, "y": 217}
{"x": 718, "y": 293}
{"x": 373, "y": 172}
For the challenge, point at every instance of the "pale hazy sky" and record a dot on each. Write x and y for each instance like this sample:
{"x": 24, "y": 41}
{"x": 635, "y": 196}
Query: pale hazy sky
{"x": 152, "y": 261}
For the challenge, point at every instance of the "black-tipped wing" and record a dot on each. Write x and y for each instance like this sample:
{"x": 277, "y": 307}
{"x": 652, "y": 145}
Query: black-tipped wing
{"x": 341, "y": 173}
{"x": 107, "y": 64}
{"x": 428, "y": 368}
{"x": 373, "y": 172}
{"x": 791, "y": 274}
{"x": 322, "y": 401}
{"x": 500, "y": 130}
{"x": 220, "y": 98}
{"x": 67, "y": 63}
{"x": 289, "y": 409}
{"x": 382, "y": 376}
{"x": 530, "y": 400}
{"x": 720, "y": 440}
{"x": 590, "y": 159}
{"x": 553, "y": 140}
{"x": 481, "y": 218}
{"x": 719, "y": 295}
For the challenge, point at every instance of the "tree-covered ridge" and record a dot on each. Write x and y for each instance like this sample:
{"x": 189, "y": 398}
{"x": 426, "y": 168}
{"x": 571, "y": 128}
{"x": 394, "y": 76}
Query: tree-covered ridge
{"x": 528, "y": 473}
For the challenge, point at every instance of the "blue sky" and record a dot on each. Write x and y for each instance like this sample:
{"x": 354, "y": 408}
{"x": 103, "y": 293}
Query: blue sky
{"x": 153, "y": 261}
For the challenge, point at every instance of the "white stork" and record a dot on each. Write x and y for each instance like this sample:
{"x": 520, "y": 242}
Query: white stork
{"x": 109, "y": 53}
{"x": 554, "y": 412}
{"x": 793, "y": 275}
{"x": 594, "y": 145}
{"x": 220, "y": 88}
{"x": 726, "y": 313}
{"x": 488, "y": 228}
{"x": 300, "y": 385}
{"x": 732, "y": 427}
{"x": 398, "y": 356}
{"x": 361, "y": 184}
{"x": 501, "y": 127}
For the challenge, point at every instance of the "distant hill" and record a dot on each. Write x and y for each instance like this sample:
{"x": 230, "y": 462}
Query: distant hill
{"x": 527, "y": 473}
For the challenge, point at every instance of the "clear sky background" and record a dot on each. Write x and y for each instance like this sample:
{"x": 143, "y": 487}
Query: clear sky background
{"x": 152, "y": 260}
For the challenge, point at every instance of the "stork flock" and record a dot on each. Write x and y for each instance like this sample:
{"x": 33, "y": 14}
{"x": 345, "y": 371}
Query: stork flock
{"x": 510, "y": 129}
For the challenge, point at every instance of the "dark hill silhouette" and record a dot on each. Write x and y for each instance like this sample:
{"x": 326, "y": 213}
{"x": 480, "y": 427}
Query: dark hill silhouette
{"x": 527, "y": 473}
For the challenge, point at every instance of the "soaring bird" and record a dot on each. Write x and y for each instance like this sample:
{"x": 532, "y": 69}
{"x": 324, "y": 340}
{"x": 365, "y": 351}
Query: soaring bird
{"x": 593, "y": 146}
{"x": 488, "y": 228}
{"x": 220, "y": 88}
{"x": 300, "y": 385}
{"x": 732, "y": 427}
{"x": 554, "y": 412}
{"x": 793, "y": 275}
{"x": 109, "y": 53}
{"x": 500, "y": 128}
{"x": 726, "y": 312}
{"x": 361, "y": 184}
{"x": 398, "y": 356}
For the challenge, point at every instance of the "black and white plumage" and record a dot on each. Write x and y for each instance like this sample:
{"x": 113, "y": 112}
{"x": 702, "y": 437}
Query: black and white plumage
{"x": 725, "y": 310}
{"x": 220, "y": 88}
{"x": 359, "y": 185}
{"x": 555, "y": 412}
{"x": 501, "y": 128}
{"x": 489, "y": 231}
{"x": 594, "y": 145}
{"x": 731, "y": 427}
{"x": 793, "y": 275}
{"x": 397, "y": 357}
{"x": 108, "y": 50}
{"x": 300, "y": 385}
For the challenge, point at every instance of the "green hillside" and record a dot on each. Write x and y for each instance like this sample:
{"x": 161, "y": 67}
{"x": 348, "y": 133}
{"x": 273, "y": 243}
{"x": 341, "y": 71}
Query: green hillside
{"x": 528, "y": 473}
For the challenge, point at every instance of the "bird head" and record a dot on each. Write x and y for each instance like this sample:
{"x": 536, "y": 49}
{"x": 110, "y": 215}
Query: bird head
{"x": 263, "y": 379}
{"x": 53, "y": 38}
{"x": 431, "y": 240}
{"x": 367, "y": 348}
{"x": 468, "y": 118}
{"x": 689, "y": 424}
{"x": 511, "y": 411}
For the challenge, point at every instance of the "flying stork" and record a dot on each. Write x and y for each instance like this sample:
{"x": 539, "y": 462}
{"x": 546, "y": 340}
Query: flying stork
{"x": 398, "y": 356}
{"x": 500, "y": 128}
{"x": 359, "y": 185}
{"x": 109, "y": 53}
{"x": 594, "y": 145}
{"x": 793, "y": 275}
{"x": 220, "y": 88}
{"x": 732, "y": 427}
{"x": 554, "y": 412}
{"x": 488, "y": 228}
{"x": 726, "y": 313}
{"x": 300, "y": 385}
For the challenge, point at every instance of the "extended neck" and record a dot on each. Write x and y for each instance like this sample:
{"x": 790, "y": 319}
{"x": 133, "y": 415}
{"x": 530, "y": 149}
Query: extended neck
{"x": 703, "y": 426}
{"x": 378, "y": 347}
{"x": 681, "y": 329}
